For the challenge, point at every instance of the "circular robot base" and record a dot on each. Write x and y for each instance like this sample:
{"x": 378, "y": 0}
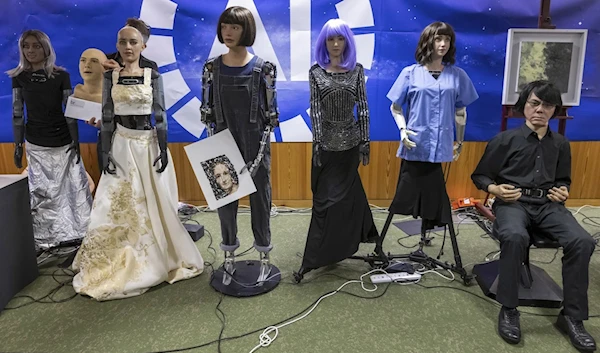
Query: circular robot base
{"x": 243, "y": 282}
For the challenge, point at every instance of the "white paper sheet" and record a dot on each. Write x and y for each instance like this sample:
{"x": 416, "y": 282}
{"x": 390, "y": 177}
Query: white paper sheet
{"x": 217, "y": 163}
{"x": 82, "y": 109}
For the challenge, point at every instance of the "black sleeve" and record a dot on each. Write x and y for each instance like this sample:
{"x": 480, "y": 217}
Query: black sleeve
{"x": 16, "y": 83}
{"x": 316, "y": 115}
{"x": 563, "y": 167}
{"x": 490, "y": 164}
{"x": 65, "y": 82}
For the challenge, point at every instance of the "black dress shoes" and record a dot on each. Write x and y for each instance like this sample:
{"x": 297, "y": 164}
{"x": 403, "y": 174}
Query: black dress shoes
{"x": 580, "y": 338}
{"x": 509, "y": 327}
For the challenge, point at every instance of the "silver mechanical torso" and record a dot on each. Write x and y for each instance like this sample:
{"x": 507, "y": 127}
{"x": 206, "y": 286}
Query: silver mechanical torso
{"x": 337, "y": 95}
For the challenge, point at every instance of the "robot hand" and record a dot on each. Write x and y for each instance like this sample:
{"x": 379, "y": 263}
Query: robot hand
{"x": 253, "y": 166}
{"x": 364, "y": 151}
{"x": 75, "y": 148}
{"x": 249, "y": 167}
{"x": 164, "y": 160}
{"x": 405, "y": 140}
{"x": 316, "y": 157}
{"x": 18, "y": 156}
{"x": 457, "y": 149}
{"x": 106, "y": 164}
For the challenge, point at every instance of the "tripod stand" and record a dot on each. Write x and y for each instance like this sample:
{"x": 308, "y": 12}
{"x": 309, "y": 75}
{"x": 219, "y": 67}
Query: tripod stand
{"x": 379, "y": 259}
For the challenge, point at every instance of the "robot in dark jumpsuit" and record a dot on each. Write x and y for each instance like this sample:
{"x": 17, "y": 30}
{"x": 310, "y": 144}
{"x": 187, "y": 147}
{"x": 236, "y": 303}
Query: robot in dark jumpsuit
{"x": 247, "y": 106}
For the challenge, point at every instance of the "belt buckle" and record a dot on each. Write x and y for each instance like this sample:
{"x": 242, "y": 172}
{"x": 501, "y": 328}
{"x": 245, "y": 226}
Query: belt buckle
{"x": 539, "y": 193}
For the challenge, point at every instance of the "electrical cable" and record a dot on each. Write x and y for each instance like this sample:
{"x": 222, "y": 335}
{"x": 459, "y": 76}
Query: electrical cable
{"x": 263, "y": 328}
{"x": 487, "y": 300}
{"x": 51, "y": 295}
{"x": 265, "y": 340}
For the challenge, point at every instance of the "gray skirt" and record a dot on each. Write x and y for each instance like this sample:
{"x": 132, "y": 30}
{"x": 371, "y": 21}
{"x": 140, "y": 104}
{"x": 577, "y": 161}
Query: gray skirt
{"x": 60, "y": 197}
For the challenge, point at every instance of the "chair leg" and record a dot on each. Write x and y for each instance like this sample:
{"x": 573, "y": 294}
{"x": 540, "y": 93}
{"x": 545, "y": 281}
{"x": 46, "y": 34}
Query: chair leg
{"x": 528, "y": 268}
{"x": 526, "y": 277}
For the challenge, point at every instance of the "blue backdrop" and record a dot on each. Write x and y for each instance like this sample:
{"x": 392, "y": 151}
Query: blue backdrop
{"x": 183, "y": 36}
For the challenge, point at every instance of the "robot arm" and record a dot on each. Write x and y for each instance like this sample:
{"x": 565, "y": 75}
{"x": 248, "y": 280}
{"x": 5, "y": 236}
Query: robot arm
{"x": 461, "y": 122}
{"x": 316, "y": 119}
{"x": 108, "y": 124}
{"x": 161, "y": 120}
{"x": 270, "y": 71}
{"x": 272, "y": 113}
{"x": 363, "y": 107}
{"x": 363, "y": 118}
{"x": 73, "y": 128}
{"x": 18, "y": 126}
{"x": 206, "y": 109}
{"x": 401, "y": 123}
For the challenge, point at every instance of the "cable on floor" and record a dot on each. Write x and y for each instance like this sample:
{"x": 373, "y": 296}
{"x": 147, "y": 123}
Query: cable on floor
{"x": 265, "y": 339}
{"x": 50, "y": 297}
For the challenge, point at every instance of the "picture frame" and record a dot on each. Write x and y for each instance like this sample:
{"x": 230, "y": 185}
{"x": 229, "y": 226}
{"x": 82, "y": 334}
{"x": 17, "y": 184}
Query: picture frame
{"x": 556, "y": 55}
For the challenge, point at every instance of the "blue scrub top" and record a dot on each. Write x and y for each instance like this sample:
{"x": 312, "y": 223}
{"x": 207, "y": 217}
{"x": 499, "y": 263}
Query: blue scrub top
{"x": 429, "y": 105}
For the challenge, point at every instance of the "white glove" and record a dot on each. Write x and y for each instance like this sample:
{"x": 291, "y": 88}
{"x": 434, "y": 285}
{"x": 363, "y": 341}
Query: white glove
{"x": 401, "y": 123}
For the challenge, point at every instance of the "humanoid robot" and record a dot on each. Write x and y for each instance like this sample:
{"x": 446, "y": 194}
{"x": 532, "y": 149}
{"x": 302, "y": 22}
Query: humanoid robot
{"x": 341, "y": 217}
{"x": 135, "y": 239}
{"x": 52, "y": 142}
{"x": 91, "y": 71}
{"x": 243, "y": 99}
{"x": 208, "y": 116}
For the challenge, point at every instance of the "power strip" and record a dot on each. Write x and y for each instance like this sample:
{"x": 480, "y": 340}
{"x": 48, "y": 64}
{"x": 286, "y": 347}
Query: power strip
{"x": 395, "y": 277}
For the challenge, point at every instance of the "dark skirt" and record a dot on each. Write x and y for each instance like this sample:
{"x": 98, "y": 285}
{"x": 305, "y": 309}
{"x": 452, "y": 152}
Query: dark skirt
{"x": 421, "y": 192}
{"x": 341, "y": 217}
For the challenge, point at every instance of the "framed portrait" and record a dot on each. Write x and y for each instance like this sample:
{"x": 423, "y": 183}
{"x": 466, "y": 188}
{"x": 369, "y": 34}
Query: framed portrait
{"x": 556, "y": 55}
{"x": 217, "y": 164}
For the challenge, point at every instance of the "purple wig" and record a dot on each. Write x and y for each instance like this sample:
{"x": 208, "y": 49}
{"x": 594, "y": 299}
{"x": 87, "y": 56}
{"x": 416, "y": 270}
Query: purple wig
{"x": 336, "y": 27}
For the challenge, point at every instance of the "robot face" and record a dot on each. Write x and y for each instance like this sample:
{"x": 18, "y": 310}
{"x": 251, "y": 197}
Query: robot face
{"x": 90, "y": 64}
{"x": 130, "y": 44}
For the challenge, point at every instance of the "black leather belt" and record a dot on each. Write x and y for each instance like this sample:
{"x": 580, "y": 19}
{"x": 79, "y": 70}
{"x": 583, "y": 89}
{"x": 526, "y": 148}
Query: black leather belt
{"x": 537, "y": 193}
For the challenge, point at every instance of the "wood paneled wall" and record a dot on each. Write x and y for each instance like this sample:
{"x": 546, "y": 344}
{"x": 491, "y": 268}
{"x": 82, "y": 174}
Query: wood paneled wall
{"x": 291, "y": 172}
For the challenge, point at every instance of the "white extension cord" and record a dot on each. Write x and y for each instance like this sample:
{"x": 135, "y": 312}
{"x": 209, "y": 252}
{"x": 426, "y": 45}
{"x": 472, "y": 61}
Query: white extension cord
{"x": 395, "y": 277}
{"x": 264, "y": 338}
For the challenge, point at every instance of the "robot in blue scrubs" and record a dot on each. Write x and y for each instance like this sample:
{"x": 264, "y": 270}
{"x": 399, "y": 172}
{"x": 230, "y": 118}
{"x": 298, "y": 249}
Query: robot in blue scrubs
{"x": 429, "y": 100}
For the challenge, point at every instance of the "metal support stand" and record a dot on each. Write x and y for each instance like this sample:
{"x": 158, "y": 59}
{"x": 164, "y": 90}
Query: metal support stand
{"x": 379, "y": 259}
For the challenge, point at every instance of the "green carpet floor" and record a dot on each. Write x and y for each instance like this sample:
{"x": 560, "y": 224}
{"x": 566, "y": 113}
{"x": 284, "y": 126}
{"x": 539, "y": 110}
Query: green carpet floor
{"x": 403, "y": 318}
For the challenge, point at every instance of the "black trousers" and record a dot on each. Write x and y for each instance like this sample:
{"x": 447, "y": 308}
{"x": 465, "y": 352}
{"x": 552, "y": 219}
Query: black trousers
{"x": 512, "y": 223}
{"x": 260, "y": 213}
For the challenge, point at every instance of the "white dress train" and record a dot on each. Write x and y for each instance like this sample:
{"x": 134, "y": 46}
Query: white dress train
{"x": 135, "y": 239}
